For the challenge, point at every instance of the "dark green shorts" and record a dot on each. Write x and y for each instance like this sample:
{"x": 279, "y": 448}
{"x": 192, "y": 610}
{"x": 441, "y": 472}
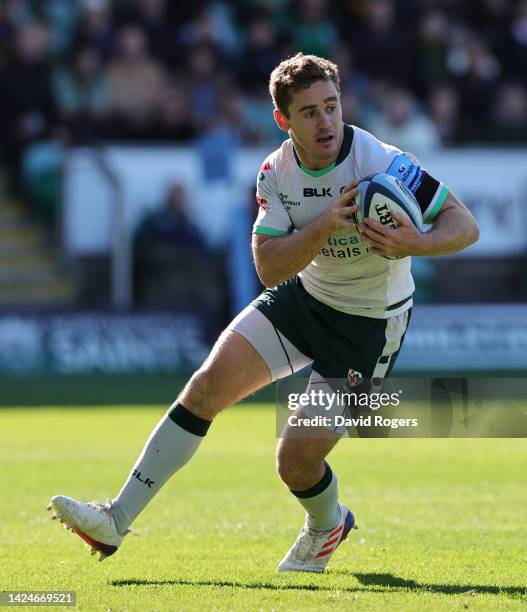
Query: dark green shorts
{"x": 337, "y": 342}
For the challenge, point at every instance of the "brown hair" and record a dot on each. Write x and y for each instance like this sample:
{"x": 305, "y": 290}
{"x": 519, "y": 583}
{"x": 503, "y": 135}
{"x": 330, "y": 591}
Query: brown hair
{"x": 299, "y": 72}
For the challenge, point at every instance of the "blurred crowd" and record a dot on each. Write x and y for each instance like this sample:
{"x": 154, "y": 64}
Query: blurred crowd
{"x": 419, "y": 73}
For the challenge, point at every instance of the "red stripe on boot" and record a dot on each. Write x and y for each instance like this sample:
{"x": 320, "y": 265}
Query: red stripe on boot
{"x": 105, "y": 548}
{"x": 338, "y": 530}
{"x": 331, "y": 542}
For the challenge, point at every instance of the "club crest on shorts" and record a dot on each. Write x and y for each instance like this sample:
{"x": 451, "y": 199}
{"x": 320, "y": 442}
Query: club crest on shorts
{"x": 354, "y": 378}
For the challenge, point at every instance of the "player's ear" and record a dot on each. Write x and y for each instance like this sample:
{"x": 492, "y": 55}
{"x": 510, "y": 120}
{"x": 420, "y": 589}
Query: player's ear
{"x": 281, "y": 120}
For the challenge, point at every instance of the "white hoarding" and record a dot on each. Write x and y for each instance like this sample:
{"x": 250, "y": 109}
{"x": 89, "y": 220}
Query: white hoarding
{"x": 492, "y": 182}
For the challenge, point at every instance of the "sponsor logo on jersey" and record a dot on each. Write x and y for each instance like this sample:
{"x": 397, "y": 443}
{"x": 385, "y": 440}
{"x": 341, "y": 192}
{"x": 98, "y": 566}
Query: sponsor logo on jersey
{"x": 264, "y": 167}
{"x": 262, "y": 203}
{"x": 288, "y": 203}
{"x": 344, "y": 240}
{"x": 315, "y": 192}
{"x": 344, "y": 247}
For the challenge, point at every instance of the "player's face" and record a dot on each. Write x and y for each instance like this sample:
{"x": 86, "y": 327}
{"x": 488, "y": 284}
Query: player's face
{"x": 315, "y": 124}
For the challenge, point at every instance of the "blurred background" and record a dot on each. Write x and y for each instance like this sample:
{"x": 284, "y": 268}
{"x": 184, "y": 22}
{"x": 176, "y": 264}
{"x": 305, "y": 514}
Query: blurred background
{"x": 132, "y": 134}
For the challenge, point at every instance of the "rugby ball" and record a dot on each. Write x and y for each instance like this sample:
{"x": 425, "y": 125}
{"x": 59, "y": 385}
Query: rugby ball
{"x": 380, "y": 195}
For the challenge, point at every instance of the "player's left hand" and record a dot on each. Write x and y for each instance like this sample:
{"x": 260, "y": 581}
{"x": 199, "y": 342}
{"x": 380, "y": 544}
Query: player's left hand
{"x": 401, "y": 242}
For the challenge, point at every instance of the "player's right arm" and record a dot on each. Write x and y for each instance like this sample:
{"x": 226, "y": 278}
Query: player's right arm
{"x": 279, "y": 257}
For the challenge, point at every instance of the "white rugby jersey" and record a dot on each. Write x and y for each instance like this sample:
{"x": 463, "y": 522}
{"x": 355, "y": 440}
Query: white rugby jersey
{"x": 344, "y": 275}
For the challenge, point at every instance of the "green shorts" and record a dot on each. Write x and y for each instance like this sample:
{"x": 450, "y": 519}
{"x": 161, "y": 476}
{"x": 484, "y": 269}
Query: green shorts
{"x": 339, "y": 344}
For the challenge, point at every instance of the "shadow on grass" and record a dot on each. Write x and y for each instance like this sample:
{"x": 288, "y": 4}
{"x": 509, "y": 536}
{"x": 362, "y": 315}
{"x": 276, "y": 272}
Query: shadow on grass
{"x": 228, "y": 583}
{"x": 389, "y": 581}
{"x": 369, "y": 582}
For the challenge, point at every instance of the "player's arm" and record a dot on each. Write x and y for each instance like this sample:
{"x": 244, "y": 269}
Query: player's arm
{"x": 279, "y": 258}
{"x": 454, "y": 229}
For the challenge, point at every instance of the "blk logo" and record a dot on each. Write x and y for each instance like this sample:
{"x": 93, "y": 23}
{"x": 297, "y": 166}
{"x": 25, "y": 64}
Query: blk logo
{"x": 147, "y": 481}
{"x": 314, "y": 192}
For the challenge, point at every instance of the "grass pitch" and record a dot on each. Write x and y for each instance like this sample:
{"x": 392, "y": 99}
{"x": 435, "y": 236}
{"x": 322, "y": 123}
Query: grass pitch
{"x": 443, "y": 523}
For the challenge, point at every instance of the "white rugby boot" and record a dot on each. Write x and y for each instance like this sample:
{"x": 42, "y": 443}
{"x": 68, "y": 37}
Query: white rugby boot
{"x": 313, "y": 549}
{"x": 92, "y": 521}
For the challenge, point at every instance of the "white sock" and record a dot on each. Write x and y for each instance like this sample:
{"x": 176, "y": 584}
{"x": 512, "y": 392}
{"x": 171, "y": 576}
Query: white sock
{"x": 321, "y": 502}
{"x": 170, "y": 446}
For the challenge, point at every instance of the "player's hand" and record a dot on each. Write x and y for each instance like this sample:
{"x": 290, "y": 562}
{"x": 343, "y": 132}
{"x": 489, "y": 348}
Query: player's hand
{"x": 341, "y": 213}
{"x": 401, "y": 242}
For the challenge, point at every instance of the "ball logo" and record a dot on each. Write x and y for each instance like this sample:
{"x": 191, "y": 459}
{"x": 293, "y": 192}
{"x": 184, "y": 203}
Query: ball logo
{"x": 384, "y": 214}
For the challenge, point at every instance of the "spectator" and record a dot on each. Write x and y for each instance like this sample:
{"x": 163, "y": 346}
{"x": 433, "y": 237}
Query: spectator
{"x": 260, "y": 55}
{"x": 509, "y": 116}
{"x": 477, "y": 71}
{"x": 171, "y": 224}
{"x": 203, "y": 30}
{"x": 402, "y": 124}
{"x": 61, "y": 17}
{"x": 27, "y": 109}
{"x": 491, "y": 18}
{"x": 206, "y": 83}
{"x": 173, "y": 121}
{"x": 379, "y": 46}
{"x": 81, "y": 94}
{"x": 258, "y": 125}
{"x": 350, "y": 107}
{"x": 220, "y": 138}
{"x": 96, "y": 27}
{"x": 134, "y": 80}
{"x": 352, "y": 81}
{"x": 432, "y": 49}
{"x": 315, "y": 33}
{"x": 161, "y": 32}
{"x": 513, "y": 49}
{"x": 170, "y": 255}
{"x": 220, "y": 52}
{"x": 278, "y": 12}
{"x": 13, "y": 14}
{"x": 443, "y": 108}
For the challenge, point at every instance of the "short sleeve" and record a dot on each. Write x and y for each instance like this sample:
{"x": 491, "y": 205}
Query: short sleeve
{"x": 273, "y": 219}
{"x": 372, "y": 155}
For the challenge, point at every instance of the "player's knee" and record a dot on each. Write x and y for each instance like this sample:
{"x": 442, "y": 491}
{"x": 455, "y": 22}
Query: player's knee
{"x": 203, "y": 393}
{"x": 287, "y": 470}
{"x": 294, "y": 468}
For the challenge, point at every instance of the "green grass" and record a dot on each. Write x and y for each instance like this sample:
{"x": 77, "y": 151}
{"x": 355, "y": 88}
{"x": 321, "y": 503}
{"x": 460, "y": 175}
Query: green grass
{"x": 443, "y": 523}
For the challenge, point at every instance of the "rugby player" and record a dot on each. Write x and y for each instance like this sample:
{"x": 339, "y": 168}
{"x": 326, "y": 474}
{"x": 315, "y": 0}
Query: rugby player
{"x": 333, "y": 301}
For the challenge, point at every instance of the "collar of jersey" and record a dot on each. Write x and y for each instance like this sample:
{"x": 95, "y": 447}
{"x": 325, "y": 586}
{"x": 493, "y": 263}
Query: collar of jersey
{"x": 343, "y": 153}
